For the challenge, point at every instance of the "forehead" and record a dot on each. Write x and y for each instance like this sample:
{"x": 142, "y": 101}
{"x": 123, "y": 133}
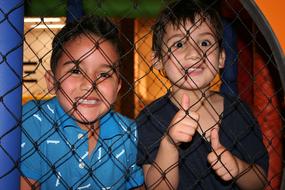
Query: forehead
{"x": 89, "y": 42}
{"x": 87, "y": 47}
{"x": 200, "y": 24}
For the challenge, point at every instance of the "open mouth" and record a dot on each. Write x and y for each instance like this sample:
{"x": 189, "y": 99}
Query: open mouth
{"x": 87, "y": 101}
{"x": 194, "y": 70}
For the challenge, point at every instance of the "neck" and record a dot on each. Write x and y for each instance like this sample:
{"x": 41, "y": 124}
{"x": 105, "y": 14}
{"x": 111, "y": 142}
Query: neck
{"x": 197, "y": 97}
{"x": 89, "y": 126}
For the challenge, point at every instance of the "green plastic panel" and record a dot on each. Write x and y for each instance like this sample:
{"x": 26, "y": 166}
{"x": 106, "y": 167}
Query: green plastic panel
{"x": 114, "y": 8}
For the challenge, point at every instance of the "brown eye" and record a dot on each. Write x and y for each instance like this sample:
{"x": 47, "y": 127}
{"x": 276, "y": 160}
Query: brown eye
{"x": 104, "y": 75}
{"x": 205, "y": 43}
{"x": 179, "y": 45}
{"x": 75, "y": 71}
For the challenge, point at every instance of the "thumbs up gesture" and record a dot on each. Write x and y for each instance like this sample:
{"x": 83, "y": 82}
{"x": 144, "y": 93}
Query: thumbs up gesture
{"x": 184, "y": 124}
{"x": 222, "y": 161}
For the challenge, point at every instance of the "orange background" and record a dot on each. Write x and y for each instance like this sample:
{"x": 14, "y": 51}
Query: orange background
{"x": 274, "y": 11}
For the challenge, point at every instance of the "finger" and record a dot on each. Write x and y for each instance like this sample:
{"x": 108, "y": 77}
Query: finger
{"x": 212, "y": 158}
{"x": 215, "y": 141}
{"x": 194, "y": 115}
{"x": 217, "y": 166}
{"x": 223, "y": 172}
{"x": 185, "y": 102}
{"x": 226, "y": 175}
{"x": 189, "y": 130}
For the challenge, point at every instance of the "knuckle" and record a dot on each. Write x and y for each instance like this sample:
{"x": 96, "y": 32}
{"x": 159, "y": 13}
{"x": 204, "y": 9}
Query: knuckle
{"x": 189, "y": 138}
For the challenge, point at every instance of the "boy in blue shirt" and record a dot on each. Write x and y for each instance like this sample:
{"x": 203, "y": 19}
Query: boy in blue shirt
{"x": 192, "y": 137}
{"x": 75, "y": 140}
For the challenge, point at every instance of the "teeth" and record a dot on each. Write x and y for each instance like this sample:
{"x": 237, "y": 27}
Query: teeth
{"x": 84, "y": 101}
{"x": 194, "y": 69}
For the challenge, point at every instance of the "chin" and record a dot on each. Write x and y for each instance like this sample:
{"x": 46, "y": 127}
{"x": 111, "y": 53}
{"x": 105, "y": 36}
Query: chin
{"x": 86, "y": 118}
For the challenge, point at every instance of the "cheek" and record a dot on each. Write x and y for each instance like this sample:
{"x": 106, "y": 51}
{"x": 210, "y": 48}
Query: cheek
{"x": 69, "y": 84}
{"x": 108, "y": 89}
{"x": 168, "y": 64}
{"x": 173, "y": 67}
{"x": 213, "y": 64}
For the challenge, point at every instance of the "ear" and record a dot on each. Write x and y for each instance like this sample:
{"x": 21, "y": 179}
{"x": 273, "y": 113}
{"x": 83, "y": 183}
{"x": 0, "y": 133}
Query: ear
{"x": 50, "y": 81}
{"x": 119, "y": 85}
{"x": 222, "y": 58}
{"x": 157, "y": 63}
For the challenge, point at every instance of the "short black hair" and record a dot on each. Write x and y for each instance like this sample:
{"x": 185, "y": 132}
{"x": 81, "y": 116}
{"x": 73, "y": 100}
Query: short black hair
{"x": 179, "y": 12}
{"x": 88, "y": 25}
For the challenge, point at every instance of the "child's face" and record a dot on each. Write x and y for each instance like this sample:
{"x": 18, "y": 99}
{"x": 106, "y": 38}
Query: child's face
{"x": 191, "y": 60}
{"x": 78, "y": 94}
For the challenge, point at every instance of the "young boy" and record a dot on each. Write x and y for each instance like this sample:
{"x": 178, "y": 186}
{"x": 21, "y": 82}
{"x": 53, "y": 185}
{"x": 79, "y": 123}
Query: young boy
{"x": 75, "y": 140}
{"x": 193, "y": 138}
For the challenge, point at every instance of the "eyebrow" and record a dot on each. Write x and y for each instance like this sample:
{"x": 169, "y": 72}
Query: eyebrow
{"x": 107, "y": 66}
{"x": 175, "y": 36}
{"x": 102, "y": 66}
{"x": 208, "y": 34}
{"x": 183, "y": 35}
{"x": 71, "y": 62}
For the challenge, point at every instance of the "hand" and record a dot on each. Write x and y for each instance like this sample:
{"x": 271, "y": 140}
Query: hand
{"x": 222, "y": 161}
{"x": 183, "y": 126}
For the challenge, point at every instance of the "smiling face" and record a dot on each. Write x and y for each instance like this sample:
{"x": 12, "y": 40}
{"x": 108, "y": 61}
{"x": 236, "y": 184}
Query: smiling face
{"x": 87, "y": 76}
{"x": 192, "y": 56}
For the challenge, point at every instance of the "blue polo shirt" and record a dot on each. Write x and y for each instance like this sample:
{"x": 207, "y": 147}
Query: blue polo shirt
{"x": 54, "y": 150}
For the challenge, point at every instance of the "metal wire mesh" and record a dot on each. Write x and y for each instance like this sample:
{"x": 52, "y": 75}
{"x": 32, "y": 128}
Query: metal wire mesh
{"x": 251, "y": 75}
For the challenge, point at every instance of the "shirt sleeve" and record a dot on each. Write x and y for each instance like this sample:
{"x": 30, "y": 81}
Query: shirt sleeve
{"x": 136, "y": 177}
{"x": 150, "y": 131}
{"x": 30, "y": 134}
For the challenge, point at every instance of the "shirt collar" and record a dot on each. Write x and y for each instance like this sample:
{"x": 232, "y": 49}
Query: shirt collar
{"x": 111, "y": 124}
{"x": 62, "y": 117}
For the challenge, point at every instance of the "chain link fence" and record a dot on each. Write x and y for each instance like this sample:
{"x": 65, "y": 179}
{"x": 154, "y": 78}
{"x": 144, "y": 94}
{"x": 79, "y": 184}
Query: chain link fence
{"x": 252, "y": 73}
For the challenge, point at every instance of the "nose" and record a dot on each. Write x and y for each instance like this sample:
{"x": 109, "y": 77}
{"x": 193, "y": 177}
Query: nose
{"x": 88, "y": 84}
{"x": 192, "y": 51}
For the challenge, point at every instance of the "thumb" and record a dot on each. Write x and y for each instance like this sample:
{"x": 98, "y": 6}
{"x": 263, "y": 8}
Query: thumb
{"x": 185, "y": 102}
{"x": 215, "y": 141}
